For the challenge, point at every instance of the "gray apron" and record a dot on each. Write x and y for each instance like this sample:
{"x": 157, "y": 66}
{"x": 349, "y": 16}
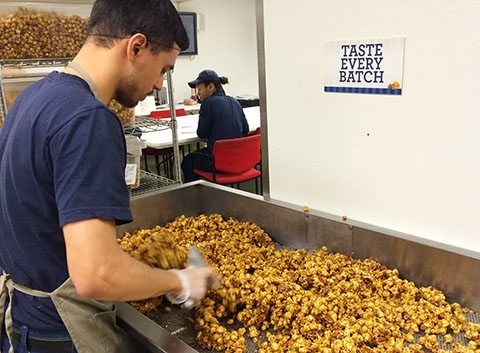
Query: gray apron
{"x": 90, "y": 323}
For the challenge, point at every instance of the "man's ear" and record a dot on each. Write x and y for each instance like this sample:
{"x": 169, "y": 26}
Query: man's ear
{"x": 135, "y": 44}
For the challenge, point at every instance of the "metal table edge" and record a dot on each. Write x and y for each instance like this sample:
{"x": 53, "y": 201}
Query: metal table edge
{"x": 148, "y": 333}
{"x": 381, "y": 230}
{"x": 199, "y": 183}
{"x": 328, "y": 216}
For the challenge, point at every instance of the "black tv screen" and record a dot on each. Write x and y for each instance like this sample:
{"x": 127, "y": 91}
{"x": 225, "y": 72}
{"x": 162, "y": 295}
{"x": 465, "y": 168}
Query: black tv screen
{"x": 189, "y": 20}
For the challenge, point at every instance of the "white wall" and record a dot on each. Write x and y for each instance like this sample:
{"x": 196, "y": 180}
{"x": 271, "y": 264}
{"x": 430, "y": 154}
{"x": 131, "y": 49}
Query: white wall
{"x": 419, "y": 170}
{"x": 226, "y": 43}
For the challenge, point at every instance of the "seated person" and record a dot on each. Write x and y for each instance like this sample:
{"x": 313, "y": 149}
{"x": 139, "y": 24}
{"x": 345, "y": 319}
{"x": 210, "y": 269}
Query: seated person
{"x": 221, "y": 118}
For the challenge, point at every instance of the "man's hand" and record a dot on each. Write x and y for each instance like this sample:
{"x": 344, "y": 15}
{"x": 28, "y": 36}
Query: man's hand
{"x": 195, "y": 283}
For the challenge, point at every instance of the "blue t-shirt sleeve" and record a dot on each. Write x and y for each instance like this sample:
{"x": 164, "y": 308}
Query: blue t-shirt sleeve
{"x": 88, "y": 165}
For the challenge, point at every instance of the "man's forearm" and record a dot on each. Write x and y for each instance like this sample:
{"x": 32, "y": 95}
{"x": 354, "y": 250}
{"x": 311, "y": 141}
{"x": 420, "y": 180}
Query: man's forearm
{"x": 129, "y": 279}
{"x": 101, "y": 270}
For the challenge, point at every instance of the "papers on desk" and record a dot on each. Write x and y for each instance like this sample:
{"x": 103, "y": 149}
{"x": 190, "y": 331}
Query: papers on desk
{"x": 187, "y": 129}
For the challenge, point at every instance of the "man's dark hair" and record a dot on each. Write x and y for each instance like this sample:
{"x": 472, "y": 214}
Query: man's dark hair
{"x": 158, "y": 20}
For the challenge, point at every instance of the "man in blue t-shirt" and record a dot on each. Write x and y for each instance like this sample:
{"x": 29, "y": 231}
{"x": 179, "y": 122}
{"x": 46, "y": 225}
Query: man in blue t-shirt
{"x": 221, "y": 118}
{"x": 62, "y": 162}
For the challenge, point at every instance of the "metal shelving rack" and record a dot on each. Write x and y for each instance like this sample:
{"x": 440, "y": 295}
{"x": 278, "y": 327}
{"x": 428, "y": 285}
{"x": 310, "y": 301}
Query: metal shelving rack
{"x": 174, "y": 126}
{"x": 3, "y": 99}
{"x": 150, "y": 182}
{"x": 12, "y": 70}
{"x": 147, "y": 124}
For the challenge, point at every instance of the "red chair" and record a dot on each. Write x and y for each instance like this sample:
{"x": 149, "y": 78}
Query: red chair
{"x": 258, "y": 166}
{"x": 165, "y": 153}
{"x": 163, "y": 114}
{"x": 234, "y": 161}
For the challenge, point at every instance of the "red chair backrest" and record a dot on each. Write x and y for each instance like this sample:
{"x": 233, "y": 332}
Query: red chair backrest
{"x": 235, "y": 156}
{"x": 163, "y": 114}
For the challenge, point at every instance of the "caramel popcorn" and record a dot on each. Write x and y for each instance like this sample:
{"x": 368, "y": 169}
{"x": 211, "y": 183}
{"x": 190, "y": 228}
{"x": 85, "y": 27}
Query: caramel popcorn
{"x": 34, "y": 34}
{"x": 289, "y": 300}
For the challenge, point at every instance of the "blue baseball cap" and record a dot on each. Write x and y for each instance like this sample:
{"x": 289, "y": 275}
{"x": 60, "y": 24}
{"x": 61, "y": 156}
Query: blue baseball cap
{"x": 205, "y": 76}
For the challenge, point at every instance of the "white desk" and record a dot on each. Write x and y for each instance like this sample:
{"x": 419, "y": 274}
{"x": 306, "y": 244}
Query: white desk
{"x": 187, "y": 130}
{"x": 189, "y": 109}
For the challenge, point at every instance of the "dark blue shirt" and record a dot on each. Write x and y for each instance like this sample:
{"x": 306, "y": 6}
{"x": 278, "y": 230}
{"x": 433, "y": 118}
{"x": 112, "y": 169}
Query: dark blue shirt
{"x": 221, "y": 118}
{"x": 62, "y": 159}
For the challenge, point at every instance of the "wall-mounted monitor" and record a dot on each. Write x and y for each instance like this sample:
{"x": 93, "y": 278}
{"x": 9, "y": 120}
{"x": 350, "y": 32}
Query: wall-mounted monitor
{"x": 189, "y": 20}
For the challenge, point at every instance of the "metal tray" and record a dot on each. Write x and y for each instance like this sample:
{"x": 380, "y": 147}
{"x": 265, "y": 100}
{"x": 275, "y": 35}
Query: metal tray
{"x": 454, "y": 271}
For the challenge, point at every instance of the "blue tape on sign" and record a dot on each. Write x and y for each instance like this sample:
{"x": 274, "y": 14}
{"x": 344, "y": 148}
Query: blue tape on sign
{"x": 395, "y": 92}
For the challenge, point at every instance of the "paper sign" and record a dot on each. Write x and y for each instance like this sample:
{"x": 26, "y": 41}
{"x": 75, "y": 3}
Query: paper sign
{"x": 130, "y": 174}
{"x": 371, "y": 66}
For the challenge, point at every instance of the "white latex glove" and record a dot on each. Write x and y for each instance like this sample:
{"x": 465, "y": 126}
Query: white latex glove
{"x": 195, "y": 282}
